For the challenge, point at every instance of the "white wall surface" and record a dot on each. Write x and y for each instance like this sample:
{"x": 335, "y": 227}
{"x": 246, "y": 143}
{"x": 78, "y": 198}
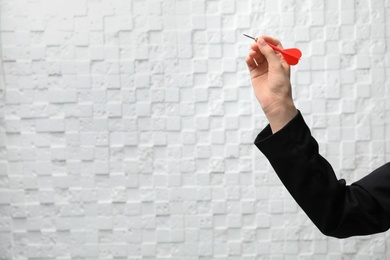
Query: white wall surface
{"x": 127, "y": 127}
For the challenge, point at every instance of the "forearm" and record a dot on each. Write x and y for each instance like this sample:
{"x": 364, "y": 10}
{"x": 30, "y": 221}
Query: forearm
{"x": 336, "y": 209}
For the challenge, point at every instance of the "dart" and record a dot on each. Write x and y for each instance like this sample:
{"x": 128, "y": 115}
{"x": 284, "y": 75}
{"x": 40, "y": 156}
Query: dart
{"x": 291, "y": 56}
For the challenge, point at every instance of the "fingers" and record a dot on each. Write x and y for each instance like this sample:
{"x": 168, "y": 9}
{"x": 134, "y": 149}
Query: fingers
{"x": 256, "y": 53}
{"x": 273, "y": 41}
{"x": 255, "y": 57}
{"x": 262, "y": 54}
{"x": 267, "y": 51}
{"x": 250, "y": 62}
{"x": 254, "y": 60}
{"x": 277, "y": 43}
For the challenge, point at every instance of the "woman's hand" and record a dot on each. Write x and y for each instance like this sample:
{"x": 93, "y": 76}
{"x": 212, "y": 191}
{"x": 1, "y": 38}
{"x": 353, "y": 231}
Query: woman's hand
{"x": 270, "y": 75}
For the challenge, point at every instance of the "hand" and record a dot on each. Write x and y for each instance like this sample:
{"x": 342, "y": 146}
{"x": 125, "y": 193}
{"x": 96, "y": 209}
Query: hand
{"x": 270, "y": 75}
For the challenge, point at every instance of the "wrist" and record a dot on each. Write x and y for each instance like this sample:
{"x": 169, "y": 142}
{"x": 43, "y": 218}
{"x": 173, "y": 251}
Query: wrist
{"x": 280, "y": 115}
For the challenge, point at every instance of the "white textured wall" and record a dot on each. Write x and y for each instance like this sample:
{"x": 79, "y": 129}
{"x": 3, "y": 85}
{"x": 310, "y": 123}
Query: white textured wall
{"x": 126, "y": 126}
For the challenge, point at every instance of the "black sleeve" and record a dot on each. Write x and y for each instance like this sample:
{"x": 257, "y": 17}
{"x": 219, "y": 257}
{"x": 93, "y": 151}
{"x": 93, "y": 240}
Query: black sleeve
{"x": 337, "y": 209}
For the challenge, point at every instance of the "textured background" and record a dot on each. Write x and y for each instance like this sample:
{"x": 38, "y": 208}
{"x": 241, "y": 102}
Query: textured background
{"x": 127, "y": 127}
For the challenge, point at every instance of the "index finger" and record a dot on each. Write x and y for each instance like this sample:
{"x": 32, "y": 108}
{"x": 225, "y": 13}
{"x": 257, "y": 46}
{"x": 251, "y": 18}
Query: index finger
{"x": 273, "y": 41}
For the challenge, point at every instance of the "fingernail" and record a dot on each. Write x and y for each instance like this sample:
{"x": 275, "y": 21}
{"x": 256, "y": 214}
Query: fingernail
{"x": 262, "y": 42}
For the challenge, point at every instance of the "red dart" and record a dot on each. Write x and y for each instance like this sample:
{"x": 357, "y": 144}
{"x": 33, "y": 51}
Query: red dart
{"x": 291, "y": 56}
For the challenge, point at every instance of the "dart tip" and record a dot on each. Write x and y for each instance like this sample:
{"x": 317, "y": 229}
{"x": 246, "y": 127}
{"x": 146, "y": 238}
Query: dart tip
{"x": 250, "y": 36}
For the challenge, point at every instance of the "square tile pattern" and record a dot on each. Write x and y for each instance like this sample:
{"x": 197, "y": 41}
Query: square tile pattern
{"x": 127, "y": 126}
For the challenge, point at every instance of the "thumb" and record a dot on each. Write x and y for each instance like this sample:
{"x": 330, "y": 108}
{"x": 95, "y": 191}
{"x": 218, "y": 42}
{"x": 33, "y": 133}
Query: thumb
{"x": 268, "y": 52}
